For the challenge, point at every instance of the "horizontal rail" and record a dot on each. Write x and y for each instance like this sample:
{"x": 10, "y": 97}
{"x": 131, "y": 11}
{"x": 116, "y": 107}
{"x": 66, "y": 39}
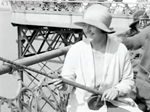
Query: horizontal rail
{"x": 34, "y": 59}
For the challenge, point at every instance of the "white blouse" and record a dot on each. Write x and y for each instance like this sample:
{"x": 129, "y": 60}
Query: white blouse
{"x": 98, "y": 60}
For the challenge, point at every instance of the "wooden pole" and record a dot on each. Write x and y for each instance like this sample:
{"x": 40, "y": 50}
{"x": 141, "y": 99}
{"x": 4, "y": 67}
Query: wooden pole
{"x": 95, "y": 91}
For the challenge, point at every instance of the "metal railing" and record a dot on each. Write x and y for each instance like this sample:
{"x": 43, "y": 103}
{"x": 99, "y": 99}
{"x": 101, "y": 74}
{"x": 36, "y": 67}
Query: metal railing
{"x": 74, "y": 7}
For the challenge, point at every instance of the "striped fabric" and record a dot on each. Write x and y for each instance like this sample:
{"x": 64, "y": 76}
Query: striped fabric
{"x": 143, "y": 91}
{"x": 112, "y": 108}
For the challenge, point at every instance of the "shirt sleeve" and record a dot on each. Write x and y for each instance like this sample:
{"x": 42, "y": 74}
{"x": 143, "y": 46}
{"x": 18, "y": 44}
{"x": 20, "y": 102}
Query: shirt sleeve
{"x": 69, "y": 67}
{"x": 126, "y": 83}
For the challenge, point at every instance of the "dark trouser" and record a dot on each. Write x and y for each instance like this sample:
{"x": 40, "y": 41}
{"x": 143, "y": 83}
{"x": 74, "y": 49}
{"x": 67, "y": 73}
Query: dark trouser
{"x": 143, "y": 91}
{"x": 112, "y": 108}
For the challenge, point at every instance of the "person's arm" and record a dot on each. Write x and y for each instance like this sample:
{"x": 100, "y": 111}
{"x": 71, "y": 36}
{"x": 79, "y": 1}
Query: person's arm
{"x": 136, "y": 41}
{"x": 123, "y": 34}
{"x": 69, "y": 68}
{"x": 129, "y": 33}
{"x": 126, "y": 82}
{"x": 145, "y": 61}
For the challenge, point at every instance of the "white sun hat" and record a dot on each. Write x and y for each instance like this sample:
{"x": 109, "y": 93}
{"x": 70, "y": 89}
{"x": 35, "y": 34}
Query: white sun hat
{"x": 97, "y": 15}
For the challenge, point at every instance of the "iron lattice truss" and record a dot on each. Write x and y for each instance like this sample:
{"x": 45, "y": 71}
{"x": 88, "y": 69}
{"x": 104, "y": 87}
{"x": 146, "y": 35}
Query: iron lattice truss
{"x": 47, "y": 39}
{"x": 37, "y": 93}
{"x": 74, "y": 7}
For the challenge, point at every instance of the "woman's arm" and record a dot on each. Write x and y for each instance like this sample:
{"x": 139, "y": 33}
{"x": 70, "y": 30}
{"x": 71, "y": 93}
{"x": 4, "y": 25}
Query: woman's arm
{"x": 69, "y": 67}
{"x": 126, "y": 83}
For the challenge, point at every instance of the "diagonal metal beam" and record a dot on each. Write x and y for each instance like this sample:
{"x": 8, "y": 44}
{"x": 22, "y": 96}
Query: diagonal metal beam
{"x": 45, "y": 38}
{"x": 35, "y": 32}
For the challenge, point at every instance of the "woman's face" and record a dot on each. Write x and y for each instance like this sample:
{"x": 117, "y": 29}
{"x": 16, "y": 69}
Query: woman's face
{"x": 92, "y": 32}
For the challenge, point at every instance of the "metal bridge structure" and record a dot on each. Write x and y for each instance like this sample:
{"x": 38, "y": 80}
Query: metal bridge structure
{"x": 45, "y": 32}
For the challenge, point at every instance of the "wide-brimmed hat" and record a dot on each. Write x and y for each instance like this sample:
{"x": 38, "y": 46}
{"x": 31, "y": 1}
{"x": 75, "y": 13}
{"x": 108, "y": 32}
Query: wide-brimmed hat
{"x": 97, "y": 15}
{"x": 138, "y": 15}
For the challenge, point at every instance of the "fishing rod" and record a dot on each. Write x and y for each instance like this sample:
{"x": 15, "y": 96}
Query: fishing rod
{"x": 95, "y": 91}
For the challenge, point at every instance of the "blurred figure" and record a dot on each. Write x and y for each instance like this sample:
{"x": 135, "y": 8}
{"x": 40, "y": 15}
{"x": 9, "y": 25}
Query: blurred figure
{"x": 140, "y": 21}
{"x": 135, "y": 42}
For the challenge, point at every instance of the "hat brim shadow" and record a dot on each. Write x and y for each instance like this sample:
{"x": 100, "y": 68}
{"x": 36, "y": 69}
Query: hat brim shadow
{"x": 97, "y": 24}
{"x": 133, "y": 23}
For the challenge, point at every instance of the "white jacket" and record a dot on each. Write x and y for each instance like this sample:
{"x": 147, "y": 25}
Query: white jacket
{"x": 79, "y": 67}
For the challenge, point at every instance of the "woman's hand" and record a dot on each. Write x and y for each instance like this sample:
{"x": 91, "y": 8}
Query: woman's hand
{"x": 59, "y": 84}
{"x": 110, "y": 94}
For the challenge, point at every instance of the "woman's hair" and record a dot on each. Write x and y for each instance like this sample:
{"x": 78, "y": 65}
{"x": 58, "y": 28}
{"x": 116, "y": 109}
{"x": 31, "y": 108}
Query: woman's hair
{"x": 104, "y": 31}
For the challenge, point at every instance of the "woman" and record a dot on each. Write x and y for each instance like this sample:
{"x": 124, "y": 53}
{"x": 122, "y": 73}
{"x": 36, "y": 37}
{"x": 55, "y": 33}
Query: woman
{"x": 97, "y": 62}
